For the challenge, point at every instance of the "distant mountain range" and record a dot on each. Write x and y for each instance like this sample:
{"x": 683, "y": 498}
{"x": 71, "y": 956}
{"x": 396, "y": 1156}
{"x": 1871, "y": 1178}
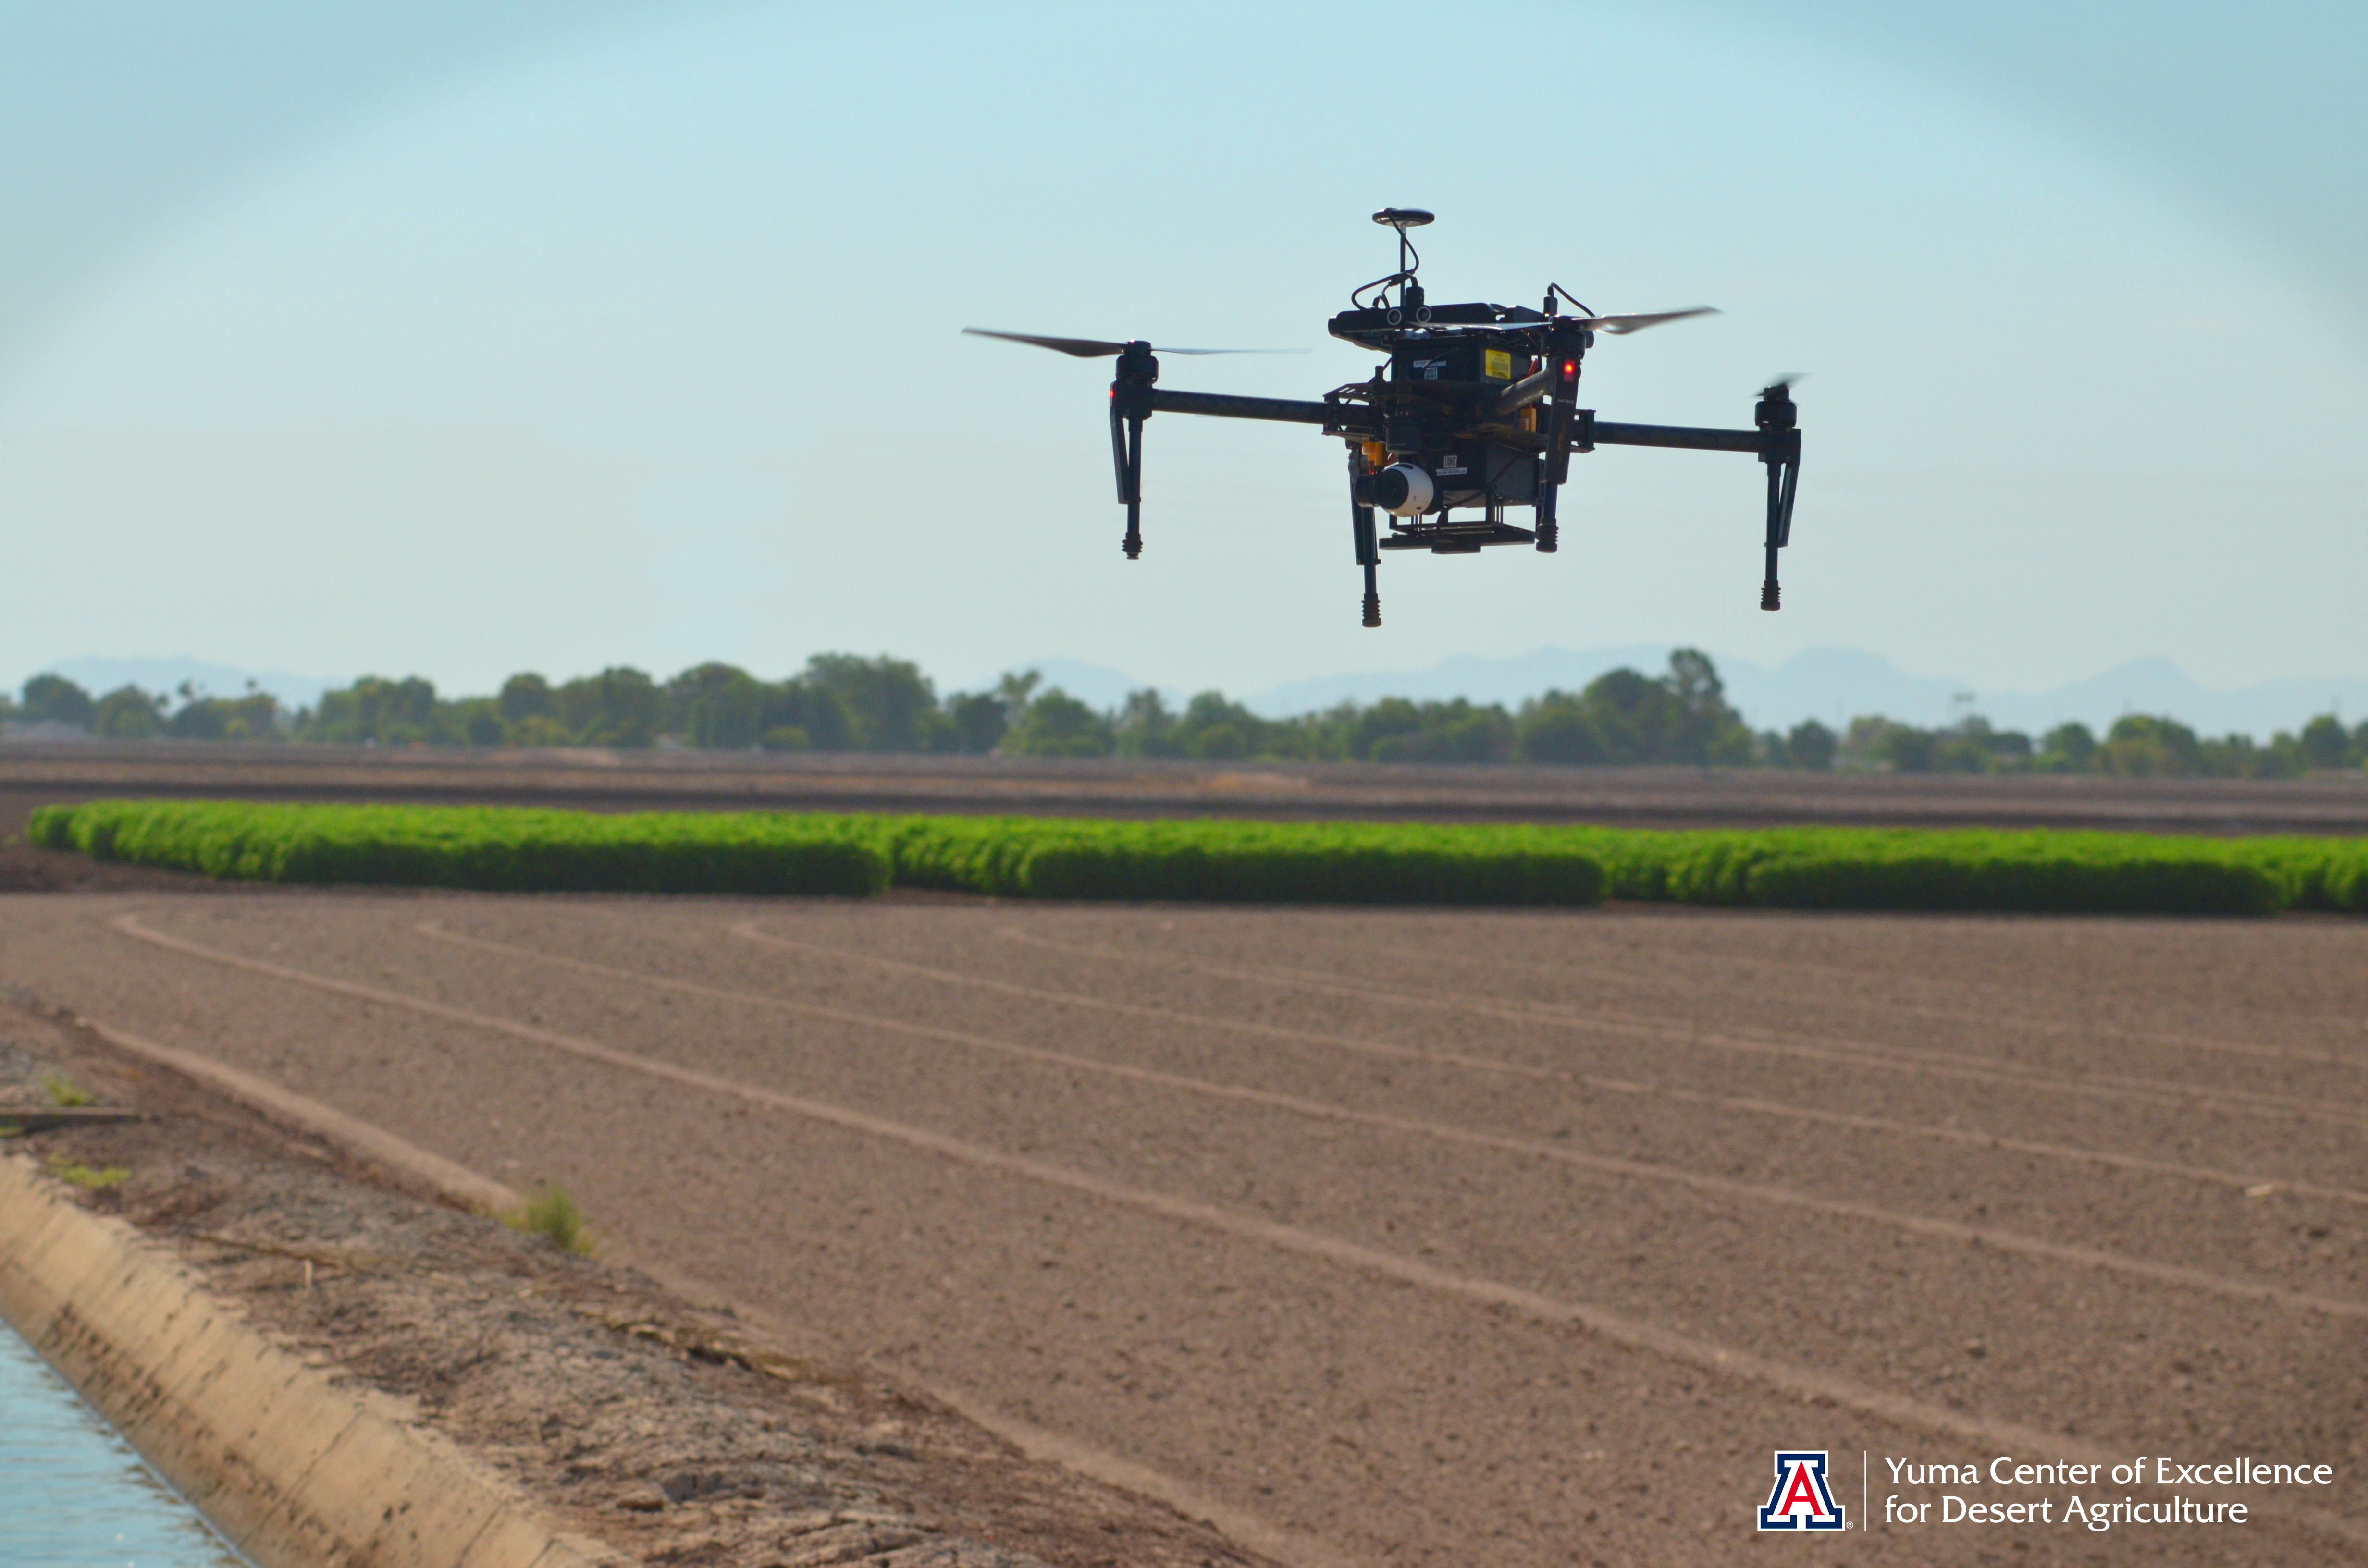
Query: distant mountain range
{"x": 1826, "y": 684}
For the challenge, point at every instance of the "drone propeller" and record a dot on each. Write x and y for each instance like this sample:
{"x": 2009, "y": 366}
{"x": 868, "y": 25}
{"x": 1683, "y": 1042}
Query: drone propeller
{"x": 1785, "y": 383}
{"x": 1620, "y": 325}
{"x": 1616, "y": 326}
{"x": 1094, "y": 349}
{"x": 1130, "y": 406}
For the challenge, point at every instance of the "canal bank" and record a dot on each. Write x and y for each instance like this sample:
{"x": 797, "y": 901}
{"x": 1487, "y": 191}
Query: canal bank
{"x": 77, "y": 1493}
{"x": 346, "y": 1362}
{"x": 294, "y": 1469}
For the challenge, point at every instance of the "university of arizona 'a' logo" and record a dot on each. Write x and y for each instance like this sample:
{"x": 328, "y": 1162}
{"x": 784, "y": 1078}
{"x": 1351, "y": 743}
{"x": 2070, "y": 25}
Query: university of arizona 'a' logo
{"x": 1801, "y": 1500}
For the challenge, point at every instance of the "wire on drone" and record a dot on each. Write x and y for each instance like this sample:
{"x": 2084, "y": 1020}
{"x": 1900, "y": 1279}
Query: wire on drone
{"x": 1557, "y": 288}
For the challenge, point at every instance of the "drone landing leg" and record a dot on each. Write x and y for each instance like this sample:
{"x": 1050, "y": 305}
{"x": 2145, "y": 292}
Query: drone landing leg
{"x": 1134, "y": 490}
{"x": 1784, "y": 484}
{"x": 1771, "y": 596}
{"x": 1568, "y": 345}
{"x": 1780, "y": 449}
{"x": 1369, "y": 552}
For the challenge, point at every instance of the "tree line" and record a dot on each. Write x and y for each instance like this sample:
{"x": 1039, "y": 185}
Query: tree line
{"x": 843, "y": 702}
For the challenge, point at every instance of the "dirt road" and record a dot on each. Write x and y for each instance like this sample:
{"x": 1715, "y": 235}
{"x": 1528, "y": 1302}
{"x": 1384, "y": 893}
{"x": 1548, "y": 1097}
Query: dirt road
{"x": 1427, "y": 1238}
{"x": 33, "y": 775}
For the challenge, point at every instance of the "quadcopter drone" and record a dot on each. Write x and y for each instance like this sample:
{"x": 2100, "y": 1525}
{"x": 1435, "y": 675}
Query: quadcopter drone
{"x": 1477, "y": 411}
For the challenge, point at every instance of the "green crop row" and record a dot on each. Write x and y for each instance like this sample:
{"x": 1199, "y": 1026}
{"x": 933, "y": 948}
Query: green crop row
{"x": 1808, "y": 868}
{"x": 2027, "y": 872}
{"x": 493, "y": 847}
{"x": 1240, "y": 861}
{"x": 522, "y": 850}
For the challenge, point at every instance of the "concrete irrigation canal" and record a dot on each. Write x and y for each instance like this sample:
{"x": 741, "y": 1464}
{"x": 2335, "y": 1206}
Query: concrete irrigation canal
{"x": 75, "y": 1494}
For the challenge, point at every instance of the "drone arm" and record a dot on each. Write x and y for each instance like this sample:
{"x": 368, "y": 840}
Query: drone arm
{"x": 1135, "y": 396}
{"x": 1518, "y": 395}
{"x": 1692, "y": 436}
{"x": 1289, "y": 411}
{"x": 1776, "y": 443}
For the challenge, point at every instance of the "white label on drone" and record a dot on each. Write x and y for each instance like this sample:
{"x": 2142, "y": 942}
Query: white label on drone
{"x": 1451, "y": 464}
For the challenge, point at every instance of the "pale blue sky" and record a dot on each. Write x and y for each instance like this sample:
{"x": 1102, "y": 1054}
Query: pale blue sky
{"x": 463, "y": 339}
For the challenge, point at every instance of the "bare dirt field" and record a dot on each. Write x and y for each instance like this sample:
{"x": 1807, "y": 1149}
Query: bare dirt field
{"x": 1423, "y": 1237}
{"x": 652, "y": 1428}
{"x": 36, "y": 774}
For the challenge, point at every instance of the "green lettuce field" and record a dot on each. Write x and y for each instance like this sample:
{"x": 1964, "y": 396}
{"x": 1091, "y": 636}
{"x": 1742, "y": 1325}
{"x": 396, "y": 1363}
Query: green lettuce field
{"x": 519, "y": 850}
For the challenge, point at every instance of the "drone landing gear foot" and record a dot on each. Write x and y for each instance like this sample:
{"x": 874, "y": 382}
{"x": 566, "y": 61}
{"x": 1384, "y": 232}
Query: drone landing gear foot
{"x": 1373, "y": 609}
{"x": 1548, "y": 536}
{"x": 1769, "y": 599}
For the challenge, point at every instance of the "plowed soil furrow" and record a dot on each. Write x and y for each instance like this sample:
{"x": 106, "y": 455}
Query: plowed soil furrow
{"x": 1681, "y": 1031}
{"x": 1645, "y": 1334}
{"x": 2235, "y": 1235}
{"x": 1921, "y": 1298}
{"x": 2344, "y": 1042}
{"x": 752, "y": 931}
{"x": 1961, "y": 1182}
{"x": 1927, "y": 1226}
{"x": 2180, "y": 986}
{"x": 1323, "y": 1259}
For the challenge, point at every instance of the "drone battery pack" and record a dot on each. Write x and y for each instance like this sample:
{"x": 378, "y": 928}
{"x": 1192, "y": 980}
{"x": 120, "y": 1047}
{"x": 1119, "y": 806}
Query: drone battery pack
{"x": 1477, "y": 473}
{"x": 1451, "y": 361}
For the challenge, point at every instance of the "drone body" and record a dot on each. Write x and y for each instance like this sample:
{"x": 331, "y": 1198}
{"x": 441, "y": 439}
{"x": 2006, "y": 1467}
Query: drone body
{"x": 1476, "y": 411}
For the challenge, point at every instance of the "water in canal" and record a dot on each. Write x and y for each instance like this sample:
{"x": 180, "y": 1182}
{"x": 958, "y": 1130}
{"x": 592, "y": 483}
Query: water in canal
{"x": 74, "y": 1494}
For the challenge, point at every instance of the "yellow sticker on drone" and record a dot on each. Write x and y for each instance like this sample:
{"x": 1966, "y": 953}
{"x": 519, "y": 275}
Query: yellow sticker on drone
{"x": 1499, "y": 364}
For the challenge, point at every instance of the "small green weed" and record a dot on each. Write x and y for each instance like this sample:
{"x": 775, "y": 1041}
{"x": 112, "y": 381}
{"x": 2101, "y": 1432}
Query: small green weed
{"x": 549, "y": 1211}
{"x": 63, "y": 1091}
{"x": 68, "y": 1169}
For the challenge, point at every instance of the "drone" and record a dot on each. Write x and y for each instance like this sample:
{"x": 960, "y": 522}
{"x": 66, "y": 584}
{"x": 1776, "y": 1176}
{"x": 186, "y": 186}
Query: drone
{"x": 1477, "y": 412}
